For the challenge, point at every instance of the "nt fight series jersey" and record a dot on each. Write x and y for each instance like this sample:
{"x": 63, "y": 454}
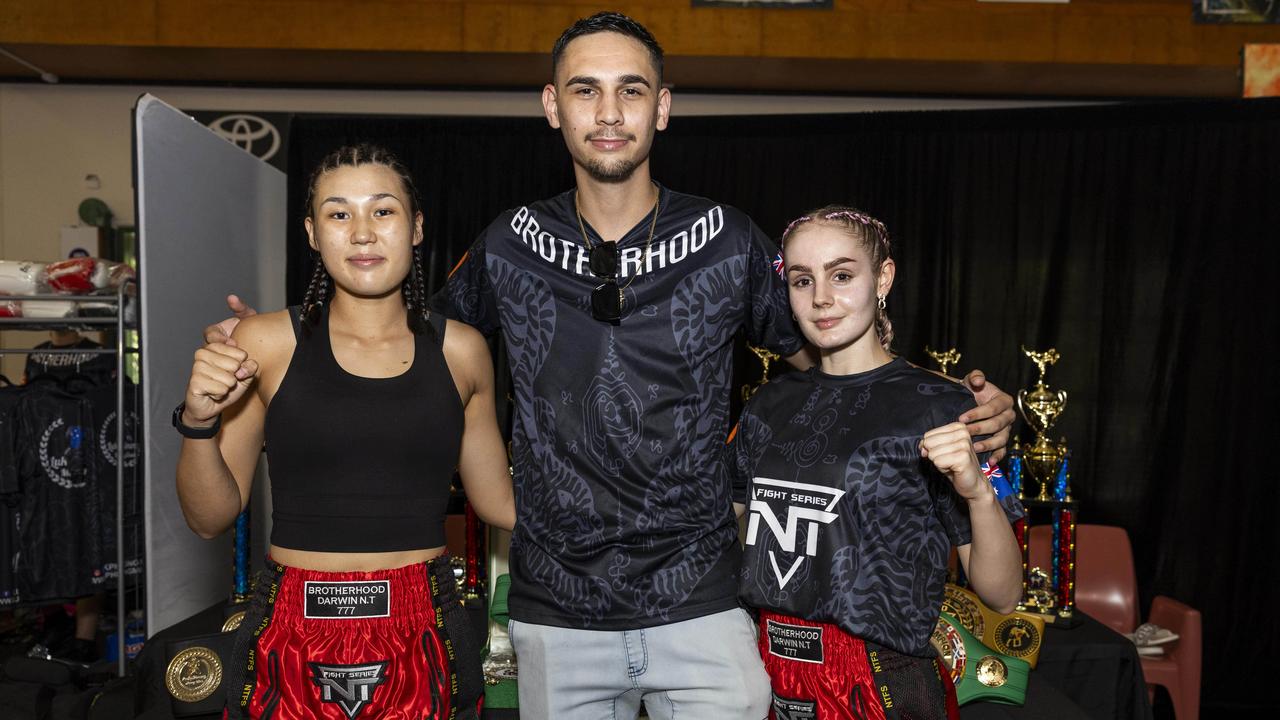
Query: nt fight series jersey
{"x": 623, "y": 500}
{"x": 847, "y": 524}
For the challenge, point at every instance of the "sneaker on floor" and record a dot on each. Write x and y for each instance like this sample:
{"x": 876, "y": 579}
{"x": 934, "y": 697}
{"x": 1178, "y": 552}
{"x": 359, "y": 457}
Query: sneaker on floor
{"x": 1148, "y": 635}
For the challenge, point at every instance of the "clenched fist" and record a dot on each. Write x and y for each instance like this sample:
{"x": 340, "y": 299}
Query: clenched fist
{"x": 219, "y": 377}
{"x": 950, "y": 449}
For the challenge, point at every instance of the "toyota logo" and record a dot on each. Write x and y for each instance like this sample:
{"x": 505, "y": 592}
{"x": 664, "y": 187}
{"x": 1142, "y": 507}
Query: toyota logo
{"x": 252, "y": 133}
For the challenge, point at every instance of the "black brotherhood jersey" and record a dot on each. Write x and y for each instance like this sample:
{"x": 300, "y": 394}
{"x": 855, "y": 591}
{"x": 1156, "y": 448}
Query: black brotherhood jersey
{"x": 847, "y": 524}
{"x": 623, "y": 504}
{"x": 94, "y": 367}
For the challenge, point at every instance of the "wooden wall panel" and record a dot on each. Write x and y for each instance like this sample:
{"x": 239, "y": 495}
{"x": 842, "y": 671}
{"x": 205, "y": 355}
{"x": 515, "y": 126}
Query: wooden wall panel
{"x": 524, "y": 27}
{"x": 1083, "y": 31}
{"x": 78, "y": 22}
{"x": 963, "y": 34}
{"x": 311, "y": 25}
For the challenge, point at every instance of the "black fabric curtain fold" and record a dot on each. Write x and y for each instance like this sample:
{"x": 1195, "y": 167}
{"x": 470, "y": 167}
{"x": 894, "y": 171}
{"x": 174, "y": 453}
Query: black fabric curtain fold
{"x": 1138, "y": 240}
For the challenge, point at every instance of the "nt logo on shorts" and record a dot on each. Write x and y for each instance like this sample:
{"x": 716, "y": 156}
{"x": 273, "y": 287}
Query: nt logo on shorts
{"x": 788, "y": 709}
{"x": 797, "y": 502}
{"x": 350, "y": 686}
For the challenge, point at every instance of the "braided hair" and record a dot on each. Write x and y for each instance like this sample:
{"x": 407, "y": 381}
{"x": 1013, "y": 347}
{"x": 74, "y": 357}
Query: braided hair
{"x": 868, "y": 232}
{"x": 414, "y": 288}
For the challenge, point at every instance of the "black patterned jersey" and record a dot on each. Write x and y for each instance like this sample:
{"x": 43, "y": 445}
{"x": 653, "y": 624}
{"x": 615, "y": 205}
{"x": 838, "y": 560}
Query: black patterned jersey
{"x": 623, "y": 508}
{"x": 847, "y": 524}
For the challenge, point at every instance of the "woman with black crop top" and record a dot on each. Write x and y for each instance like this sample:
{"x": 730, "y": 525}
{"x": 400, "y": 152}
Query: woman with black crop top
{"x": 366, "y": 402}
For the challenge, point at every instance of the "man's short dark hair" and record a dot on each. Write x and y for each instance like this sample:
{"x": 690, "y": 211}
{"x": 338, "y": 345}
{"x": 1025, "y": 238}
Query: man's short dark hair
{"x": 608, "y": 22}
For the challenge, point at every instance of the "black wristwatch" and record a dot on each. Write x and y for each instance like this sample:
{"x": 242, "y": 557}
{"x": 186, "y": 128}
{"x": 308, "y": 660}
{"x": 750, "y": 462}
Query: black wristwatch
{"x": 191, "y": 432}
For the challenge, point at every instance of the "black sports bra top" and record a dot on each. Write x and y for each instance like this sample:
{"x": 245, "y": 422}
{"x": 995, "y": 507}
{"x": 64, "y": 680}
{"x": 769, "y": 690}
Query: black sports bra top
{"x": 362, "y": 464}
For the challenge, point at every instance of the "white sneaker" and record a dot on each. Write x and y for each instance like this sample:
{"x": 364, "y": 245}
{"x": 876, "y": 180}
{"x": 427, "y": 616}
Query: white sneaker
{"x": 1148, "y": 635}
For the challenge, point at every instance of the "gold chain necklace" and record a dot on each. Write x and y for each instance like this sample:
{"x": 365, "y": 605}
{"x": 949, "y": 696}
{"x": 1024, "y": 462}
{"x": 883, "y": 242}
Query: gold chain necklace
{"x": 653, "y": 225}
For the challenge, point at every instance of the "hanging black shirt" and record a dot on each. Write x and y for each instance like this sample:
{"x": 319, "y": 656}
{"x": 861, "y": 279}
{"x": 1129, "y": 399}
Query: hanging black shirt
{"x": 59, "y": 528}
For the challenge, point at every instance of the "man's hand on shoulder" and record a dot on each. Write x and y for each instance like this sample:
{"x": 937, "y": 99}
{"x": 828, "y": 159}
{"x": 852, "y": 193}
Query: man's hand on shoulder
{"x": 220, "y": 332}
{"x": 994, "y": 415}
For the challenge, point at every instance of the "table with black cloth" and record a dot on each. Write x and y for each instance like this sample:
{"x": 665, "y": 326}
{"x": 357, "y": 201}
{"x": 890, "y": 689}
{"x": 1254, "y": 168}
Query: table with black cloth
{"x": 1088, "y": 671}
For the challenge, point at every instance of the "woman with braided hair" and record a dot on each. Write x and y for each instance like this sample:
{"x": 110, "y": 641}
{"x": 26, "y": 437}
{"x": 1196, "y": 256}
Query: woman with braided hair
{"x": 367, "y": 402}
{"x": 858, "y": 482}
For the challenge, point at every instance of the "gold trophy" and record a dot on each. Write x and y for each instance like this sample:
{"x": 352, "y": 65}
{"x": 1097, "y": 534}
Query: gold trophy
{"x": 944, "y": 359}
{"x": 1047, "y": 592}
{"x": 766, "y": 358}
{"x": 1040, "y": 408}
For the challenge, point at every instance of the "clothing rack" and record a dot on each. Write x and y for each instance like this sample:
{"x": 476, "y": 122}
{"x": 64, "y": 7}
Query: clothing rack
{"x": 124, "y": 294}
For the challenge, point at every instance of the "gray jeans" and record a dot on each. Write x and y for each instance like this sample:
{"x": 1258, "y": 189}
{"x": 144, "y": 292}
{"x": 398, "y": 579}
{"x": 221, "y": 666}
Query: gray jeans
{"x": 707, "y": 668}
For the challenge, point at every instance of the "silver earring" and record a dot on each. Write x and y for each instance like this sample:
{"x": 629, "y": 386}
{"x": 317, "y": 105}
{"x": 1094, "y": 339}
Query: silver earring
{"x": 880, "y": 301}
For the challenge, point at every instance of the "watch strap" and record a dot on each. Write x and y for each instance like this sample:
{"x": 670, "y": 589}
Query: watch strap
{"x": 195, "y": 433}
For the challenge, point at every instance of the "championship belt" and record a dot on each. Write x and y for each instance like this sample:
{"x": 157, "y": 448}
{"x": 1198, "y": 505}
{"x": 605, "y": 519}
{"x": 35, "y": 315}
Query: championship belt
{"x": 195, "y": 673}
{"x": 500, "y": 664}
{"x": 1017, "y": 634}
{"x": 978, "y": 672}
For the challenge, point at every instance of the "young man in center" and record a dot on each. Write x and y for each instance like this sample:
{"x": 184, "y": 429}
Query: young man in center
{"x": 619, "y": 301}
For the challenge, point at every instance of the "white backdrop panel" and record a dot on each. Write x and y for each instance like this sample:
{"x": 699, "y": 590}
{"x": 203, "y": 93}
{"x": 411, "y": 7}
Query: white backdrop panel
{"x": 211, "y": 221}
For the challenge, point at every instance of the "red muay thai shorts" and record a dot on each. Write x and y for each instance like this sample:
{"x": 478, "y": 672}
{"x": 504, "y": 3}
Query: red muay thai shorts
{"x": 820, "y": 672}
{"x": 390, "y": 644}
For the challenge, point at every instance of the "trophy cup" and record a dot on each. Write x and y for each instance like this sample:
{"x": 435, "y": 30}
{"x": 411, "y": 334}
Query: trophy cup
{"x": 1049, "y": 594}
{"x": 944, "y": 359}
{"x": 766, "y": 358}
{"x": 1041, "y": 408}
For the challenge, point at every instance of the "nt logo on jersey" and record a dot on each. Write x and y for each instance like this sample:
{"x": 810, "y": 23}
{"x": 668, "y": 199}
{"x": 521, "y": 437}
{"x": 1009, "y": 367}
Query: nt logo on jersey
{"x": 783, "y": 506}
{"x": 350, "y": 686}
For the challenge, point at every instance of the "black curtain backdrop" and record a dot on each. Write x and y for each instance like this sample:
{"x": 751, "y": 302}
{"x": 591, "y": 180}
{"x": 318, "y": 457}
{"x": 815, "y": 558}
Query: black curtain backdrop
{"x": 1139, "y": 240}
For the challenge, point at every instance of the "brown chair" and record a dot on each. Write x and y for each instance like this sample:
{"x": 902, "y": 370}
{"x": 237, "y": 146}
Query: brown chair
{"x": 1106, "y": 590}
{"x": 1178, "y": 670}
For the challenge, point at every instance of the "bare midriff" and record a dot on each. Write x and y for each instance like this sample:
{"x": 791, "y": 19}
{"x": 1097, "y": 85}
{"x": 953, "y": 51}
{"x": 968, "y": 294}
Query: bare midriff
{"x": 352, "y": 562}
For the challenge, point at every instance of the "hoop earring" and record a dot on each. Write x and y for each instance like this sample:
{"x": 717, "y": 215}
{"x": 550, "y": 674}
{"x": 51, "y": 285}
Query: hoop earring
{"x": 880, "y": 301}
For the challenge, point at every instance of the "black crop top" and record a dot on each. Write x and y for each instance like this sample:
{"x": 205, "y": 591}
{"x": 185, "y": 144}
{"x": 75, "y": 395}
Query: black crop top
{"x": 362, "y": 464}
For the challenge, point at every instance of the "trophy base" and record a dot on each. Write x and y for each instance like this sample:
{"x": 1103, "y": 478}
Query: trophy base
{"x": 1059, "y": 618}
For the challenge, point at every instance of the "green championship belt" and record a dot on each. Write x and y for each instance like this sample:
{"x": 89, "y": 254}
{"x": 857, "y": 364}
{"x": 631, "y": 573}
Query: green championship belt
{"x": 500, "y": 667}
{"x": 978, "y": 672}
{"x": 1017, "y": 634}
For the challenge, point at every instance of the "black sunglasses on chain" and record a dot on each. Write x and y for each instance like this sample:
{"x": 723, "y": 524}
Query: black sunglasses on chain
{"x": 606, "y": 299}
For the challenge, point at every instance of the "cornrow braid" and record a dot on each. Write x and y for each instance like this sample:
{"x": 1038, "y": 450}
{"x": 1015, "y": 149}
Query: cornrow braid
{"x": 413, "y": 291}
{"x": 870, "y": 233}
{"x": 317, "y": 293}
